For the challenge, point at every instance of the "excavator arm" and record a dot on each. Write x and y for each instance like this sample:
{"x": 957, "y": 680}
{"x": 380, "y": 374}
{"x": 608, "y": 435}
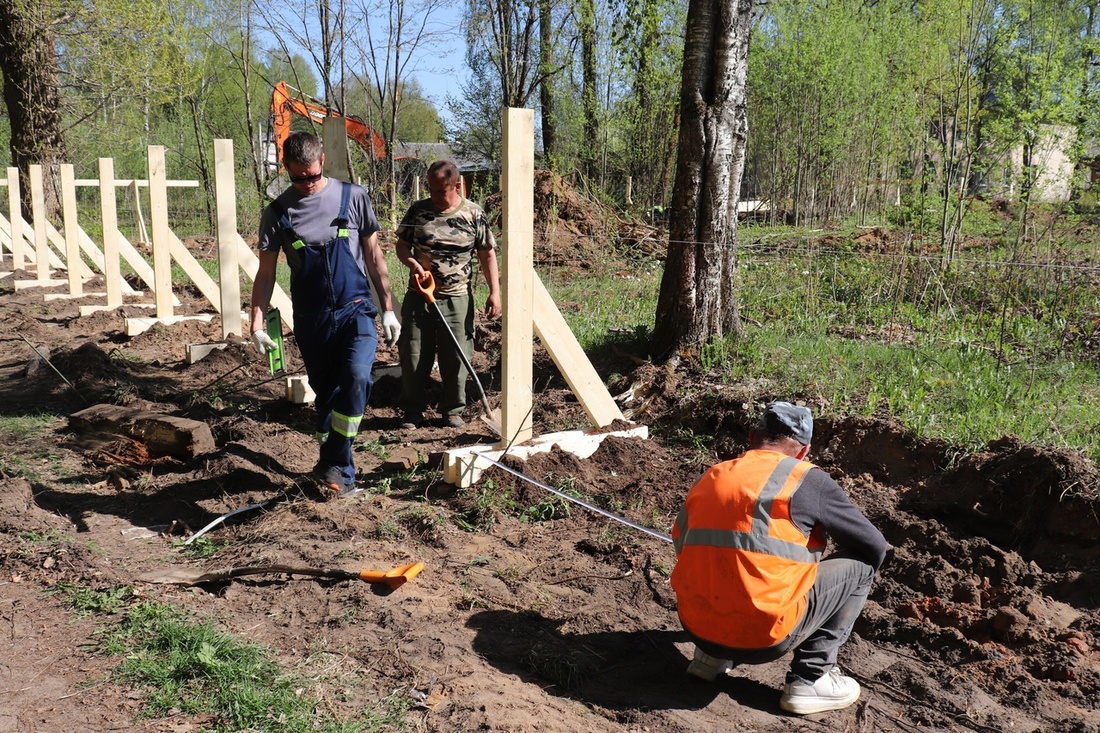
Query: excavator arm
{"x": 285, "y": 105}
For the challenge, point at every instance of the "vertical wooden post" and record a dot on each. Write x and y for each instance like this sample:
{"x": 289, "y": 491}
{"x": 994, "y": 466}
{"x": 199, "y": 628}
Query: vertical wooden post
{"x": 142, "y": 236}
{"x": 334, "y": 134}
{"x": 225, "y": 203}
{"x": 38, "y": 214}
{"x": 108, "y": 207}
{"x": 72, "y": 229}
{"x": 158, "y": 216}
{"x": 15, "y": 217}
{"x": 518, "y": 188}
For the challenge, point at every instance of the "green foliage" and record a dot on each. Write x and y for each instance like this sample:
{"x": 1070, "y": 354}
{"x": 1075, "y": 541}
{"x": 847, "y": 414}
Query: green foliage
{"x": 984, "y": 350}
{"x": 201, "y": 548}
{"x": 85, "y": 601}
{"x": 487, "y": 504}
{"x": 552, "y": 506}
{"x": 698, "y": 444}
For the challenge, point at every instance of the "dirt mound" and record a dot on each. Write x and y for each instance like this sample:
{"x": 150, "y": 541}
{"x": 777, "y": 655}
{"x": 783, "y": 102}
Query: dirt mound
{"x": 573, "y": 230}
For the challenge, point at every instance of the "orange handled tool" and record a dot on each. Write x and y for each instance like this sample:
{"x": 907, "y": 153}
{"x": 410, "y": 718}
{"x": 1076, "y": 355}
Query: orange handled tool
{"x": 426, "y": 285}
{"x": 393, "y": 578}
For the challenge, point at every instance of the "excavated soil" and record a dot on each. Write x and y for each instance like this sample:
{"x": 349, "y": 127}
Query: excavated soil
{"x": 531, "y": 614}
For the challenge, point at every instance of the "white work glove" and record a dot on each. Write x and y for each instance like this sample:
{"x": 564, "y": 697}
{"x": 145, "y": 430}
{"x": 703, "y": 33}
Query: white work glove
{"x": 390, "y": 328}
{"x": 263, "y": 342}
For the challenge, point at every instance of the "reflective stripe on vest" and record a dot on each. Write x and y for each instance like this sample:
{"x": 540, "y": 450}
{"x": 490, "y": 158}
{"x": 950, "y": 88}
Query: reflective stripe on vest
{"x": 759, "y": 538}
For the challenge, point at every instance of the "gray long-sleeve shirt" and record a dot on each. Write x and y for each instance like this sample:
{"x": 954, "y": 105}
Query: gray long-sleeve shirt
{"x": 821, "y": 502}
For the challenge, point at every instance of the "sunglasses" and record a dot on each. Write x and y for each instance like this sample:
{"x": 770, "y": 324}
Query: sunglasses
{"x": 312, "y": 178}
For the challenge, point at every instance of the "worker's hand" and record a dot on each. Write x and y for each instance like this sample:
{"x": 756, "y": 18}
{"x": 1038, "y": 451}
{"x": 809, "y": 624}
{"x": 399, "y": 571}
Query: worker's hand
{"x": 390, "y": 328}
{"x": 492, "y": 306}
{"x": 263, "y": 342}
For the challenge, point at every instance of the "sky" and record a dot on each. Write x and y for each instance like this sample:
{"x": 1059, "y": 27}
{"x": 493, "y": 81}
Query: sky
{"x": 441, "y": 66}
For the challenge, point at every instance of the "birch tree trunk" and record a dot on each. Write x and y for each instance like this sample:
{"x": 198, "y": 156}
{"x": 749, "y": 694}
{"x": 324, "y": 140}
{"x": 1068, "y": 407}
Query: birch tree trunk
{"x": 698, "y": 299}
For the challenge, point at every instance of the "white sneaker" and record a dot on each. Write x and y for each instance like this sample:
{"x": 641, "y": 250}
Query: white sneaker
{"x": 832, "y": 692}
{"x": 706, "y": 667}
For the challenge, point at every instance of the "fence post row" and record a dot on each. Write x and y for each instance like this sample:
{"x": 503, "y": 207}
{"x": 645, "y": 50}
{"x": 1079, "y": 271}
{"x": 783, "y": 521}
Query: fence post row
{"x": 72, "y": 250}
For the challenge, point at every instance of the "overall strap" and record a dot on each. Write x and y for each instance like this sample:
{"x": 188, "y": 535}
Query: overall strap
{"x": 342, "y": 217}
{"x": 288, "y": 230}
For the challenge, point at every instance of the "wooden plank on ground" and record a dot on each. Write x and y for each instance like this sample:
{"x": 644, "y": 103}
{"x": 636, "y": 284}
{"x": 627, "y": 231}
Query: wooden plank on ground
{"x": 462, "y": 467}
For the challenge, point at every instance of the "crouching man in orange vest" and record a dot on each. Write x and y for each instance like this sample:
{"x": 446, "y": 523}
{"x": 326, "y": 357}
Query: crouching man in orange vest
{"x": 750, "y": 581}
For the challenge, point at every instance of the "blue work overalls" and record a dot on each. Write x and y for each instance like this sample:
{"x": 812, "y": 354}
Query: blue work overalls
{"x": 334, "y": 327}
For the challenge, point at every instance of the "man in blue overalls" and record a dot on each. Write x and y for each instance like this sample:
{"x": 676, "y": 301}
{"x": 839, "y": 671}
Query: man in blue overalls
{"x": 329, "y": 233}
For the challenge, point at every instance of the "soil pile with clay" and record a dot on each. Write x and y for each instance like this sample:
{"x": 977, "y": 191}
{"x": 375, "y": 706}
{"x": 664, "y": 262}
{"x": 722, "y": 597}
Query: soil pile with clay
{"x": 531, "y": 613}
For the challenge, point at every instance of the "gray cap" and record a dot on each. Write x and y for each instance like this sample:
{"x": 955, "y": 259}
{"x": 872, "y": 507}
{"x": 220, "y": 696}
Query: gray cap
{"x": 783, "y": 418}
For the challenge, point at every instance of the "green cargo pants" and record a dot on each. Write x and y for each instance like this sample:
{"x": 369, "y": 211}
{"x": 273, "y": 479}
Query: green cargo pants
{"x": 423, "y": 341}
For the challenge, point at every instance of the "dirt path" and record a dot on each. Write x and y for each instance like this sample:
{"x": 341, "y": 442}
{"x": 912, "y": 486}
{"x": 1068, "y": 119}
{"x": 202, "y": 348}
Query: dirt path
{"x": 530, "y": 615}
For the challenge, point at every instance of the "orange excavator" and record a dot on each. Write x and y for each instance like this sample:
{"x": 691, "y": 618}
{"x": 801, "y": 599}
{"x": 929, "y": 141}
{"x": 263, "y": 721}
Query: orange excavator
{"x": 284, "y": 105}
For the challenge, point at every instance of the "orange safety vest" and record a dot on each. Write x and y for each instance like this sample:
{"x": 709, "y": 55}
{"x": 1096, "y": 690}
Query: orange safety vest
{"x": 744, "y": 568}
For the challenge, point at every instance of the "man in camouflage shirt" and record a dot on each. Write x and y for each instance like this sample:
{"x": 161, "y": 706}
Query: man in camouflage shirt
{"x": 440, "y": 235}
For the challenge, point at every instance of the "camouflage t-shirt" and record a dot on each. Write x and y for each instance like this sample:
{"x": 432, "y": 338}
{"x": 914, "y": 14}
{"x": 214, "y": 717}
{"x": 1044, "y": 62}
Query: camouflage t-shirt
{"x": 445, "y": 243}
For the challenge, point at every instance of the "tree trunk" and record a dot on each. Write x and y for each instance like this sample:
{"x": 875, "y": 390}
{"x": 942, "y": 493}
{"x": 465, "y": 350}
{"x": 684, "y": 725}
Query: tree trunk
{"x": 590, "y": 150}
{"x": 546, "y": 88}
{"x": 28, "y": 57}
{"x": 698, "y": 302}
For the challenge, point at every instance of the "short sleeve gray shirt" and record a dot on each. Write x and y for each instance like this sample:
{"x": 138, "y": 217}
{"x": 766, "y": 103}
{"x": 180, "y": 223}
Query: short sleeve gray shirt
{"x": 314, "y": 220}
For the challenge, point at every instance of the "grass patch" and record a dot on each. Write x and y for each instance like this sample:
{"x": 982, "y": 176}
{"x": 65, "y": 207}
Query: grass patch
{"x": 608, "y": 305}
{"x": 1001, "y": 343}
{"x": 188, "y": 667}
{"x": 36, "y": 453}
{"x": 85, "y": 601}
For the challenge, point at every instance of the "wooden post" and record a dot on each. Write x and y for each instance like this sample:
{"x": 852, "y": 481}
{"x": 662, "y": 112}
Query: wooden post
{"x": 518, "y": 213}
{"x": 72, "y": 229}
{"x": 225, "y": 201}
{"x": 15, "y": 219}
{"x": 334, "y": 131}
{"x": 139, "y": 219}
{"x": 158, "y": 216}
{"x": 109, "y": 211}
{"x": 38, "y": 213}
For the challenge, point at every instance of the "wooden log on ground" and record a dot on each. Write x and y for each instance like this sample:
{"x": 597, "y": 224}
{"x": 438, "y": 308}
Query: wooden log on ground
{"x": 164, "y": 435}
